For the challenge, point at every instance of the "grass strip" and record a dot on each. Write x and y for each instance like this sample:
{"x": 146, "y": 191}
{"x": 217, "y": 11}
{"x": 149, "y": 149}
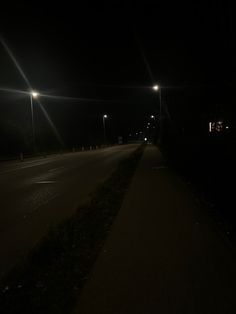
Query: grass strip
{"x": 53, "y": 274}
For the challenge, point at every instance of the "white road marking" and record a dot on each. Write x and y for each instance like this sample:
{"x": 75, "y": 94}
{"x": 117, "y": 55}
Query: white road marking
{"x": 45, "y": 182}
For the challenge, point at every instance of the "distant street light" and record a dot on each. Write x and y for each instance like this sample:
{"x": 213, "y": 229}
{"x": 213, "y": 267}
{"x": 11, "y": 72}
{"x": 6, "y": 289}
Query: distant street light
{"x": 33, "y": 94}
{"x": 156, "y": 87}
{"x": 152, "y": 117}
{"x": 104, "y": 128}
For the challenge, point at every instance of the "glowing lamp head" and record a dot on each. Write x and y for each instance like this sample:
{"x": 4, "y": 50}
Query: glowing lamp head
{"x": 34, "y": 94}
{"x": 155, "y": 87}
{"x": 105, "y": 116}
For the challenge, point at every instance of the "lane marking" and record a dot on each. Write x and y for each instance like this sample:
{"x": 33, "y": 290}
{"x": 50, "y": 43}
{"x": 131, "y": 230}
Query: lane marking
{"x": 45, "y": 182}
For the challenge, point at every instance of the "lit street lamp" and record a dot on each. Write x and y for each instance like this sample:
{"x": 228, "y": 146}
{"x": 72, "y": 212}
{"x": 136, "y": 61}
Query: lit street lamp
{"x": 157, "y": 88}
{"x": 104, "y": 128}
{"x": 33, "y": 94}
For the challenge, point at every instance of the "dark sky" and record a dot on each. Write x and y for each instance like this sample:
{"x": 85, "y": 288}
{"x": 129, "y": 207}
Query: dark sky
{"x": 113, "y": 52}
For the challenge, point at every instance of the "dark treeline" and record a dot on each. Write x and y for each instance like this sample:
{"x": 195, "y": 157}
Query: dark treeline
{"x": 206, "y": 159}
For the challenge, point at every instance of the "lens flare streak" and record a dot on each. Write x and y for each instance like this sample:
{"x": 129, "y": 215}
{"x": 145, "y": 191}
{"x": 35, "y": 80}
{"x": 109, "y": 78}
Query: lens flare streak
{"x": 19, "y": 68}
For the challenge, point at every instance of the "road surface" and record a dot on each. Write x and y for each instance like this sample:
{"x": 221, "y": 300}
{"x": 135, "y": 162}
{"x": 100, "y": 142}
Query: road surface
{"x": 38, "y": 194}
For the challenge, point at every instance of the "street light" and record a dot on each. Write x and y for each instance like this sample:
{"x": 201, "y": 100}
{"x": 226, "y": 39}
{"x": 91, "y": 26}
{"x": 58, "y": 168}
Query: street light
{"x": 33, "y": 94}
{"x": 158, "y": 88}
{"x": 152, "y": 117}
{"x": 104, "y": 128}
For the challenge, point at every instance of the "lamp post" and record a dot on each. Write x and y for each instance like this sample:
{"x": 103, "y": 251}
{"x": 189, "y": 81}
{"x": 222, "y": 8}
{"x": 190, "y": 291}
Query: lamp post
{"x": 157, "y": 88}
{"x": 33, "y": 95}
{"x": 104, "y": 117}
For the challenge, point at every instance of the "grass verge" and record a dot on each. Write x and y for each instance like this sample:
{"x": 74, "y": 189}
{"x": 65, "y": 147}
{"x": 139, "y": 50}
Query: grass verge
{"x": 52, "y": 276}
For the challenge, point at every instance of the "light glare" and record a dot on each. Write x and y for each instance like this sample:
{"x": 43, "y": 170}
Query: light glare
{"x": 156, "y": 87}
{"x": 210, "y": 127}
{"x": 34, "y": 94}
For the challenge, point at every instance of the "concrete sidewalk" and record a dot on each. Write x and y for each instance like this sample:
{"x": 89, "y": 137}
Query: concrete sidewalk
{"x": 163, "y": 255}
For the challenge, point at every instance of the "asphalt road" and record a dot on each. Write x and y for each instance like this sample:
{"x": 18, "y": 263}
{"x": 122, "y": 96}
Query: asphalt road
{"x": 38, "y": 194}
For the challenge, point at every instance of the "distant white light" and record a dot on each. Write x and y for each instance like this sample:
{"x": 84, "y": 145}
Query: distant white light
{"x": 152, "y": 117}
{"x": 145, "y": 139}
{"x": 147, "y": 127}
{"x": 227, "y": 127}
{"x": 105, "y": 116}
{"x": 148, "y": 123}
{"x": 210, "y": 127}
{"x": 34, "y": 94}
{"x": 156, "y": 87}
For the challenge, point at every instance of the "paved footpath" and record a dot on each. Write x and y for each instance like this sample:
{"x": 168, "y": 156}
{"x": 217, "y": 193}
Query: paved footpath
{"x": 163, "y": 254}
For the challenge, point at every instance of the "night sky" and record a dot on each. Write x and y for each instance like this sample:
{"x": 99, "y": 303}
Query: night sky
{"x": 111, "y": 54}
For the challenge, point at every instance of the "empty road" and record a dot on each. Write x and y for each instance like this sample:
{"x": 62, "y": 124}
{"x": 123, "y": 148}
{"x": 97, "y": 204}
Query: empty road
{"x": 40, "y": 193}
